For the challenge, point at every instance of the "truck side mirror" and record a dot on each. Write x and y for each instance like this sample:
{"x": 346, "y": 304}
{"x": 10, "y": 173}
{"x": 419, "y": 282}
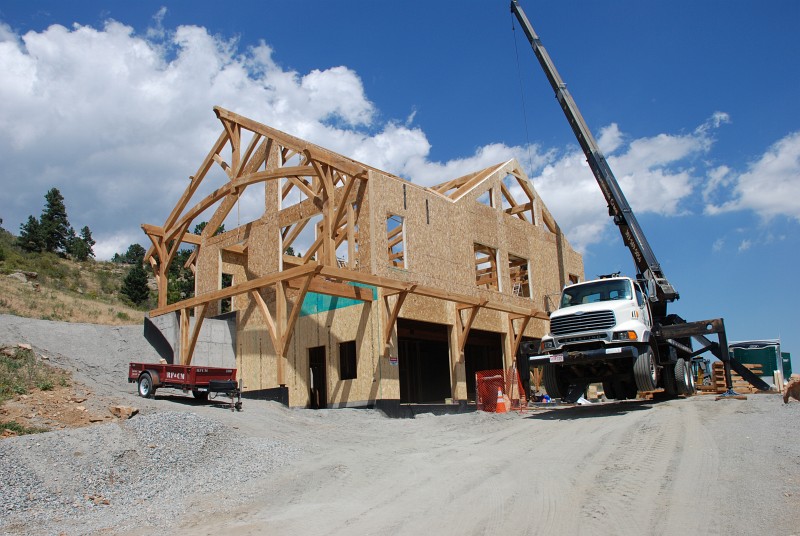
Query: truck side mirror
{"x": 651, "y": 290}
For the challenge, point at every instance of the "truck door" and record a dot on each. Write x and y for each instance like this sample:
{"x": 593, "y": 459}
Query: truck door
{"x": 644, "y": 306}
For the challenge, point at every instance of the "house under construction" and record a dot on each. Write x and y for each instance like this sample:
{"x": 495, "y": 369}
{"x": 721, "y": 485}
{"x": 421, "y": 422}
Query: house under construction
{"x": 400, "y": 293}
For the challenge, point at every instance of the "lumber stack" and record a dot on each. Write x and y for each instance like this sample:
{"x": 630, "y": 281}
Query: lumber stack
{"x": 739, "y": 384}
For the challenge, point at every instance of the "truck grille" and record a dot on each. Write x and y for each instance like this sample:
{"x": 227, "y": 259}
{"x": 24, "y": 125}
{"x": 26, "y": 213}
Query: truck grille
{"x": 597, "y": 320}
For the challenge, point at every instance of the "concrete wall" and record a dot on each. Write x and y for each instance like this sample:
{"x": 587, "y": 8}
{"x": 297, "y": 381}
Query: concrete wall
{"x": 216, "y": 343}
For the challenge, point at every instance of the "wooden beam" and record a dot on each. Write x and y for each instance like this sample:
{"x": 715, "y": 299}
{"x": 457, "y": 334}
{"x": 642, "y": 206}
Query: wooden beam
{"x": 188, "y": 351}
{"x": 271, "y": 328}
{"x": 295, "y": 314}
{"x": 392, "y": 318}
{"x": 321, "y": 285}
{"x": 464, "y": 327}
{"x": 420, "y": 290}
{"x": 188, "y": 238}
{"x": 517, "y": 338}
{"x": 344, "y": 164}
{"x": 239, "y": 288}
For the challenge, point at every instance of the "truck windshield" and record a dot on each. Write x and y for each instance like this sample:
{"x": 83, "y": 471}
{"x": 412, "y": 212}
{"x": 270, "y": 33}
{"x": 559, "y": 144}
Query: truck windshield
{"x": 597, "y": 291}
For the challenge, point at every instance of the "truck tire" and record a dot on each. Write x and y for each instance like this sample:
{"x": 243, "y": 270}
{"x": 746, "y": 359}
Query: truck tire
{"x": 554, "y": 382}
{"x": 608, "y": 389}
{"x": 644, "y": 371}
{"x": 145, "y": 384}
{"x": 670, "y": 385}
{"x": 683, "y": 377}
{"x": 200, "y": 395}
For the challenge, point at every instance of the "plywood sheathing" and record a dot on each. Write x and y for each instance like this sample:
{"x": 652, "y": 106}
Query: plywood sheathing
{"x": 350, "y": 202}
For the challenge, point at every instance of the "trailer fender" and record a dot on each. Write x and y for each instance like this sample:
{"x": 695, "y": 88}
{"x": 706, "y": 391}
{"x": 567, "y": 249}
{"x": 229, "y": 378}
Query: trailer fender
{"x": 154, "y": 374}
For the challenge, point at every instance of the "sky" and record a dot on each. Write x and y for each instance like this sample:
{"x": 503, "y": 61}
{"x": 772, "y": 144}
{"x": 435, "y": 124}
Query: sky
{"x": 695, "y": 105}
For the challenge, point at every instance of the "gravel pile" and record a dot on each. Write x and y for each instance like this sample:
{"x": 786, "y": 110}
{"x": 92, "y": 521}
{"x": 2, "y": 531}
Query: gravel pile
{"x": 144, "y": 471}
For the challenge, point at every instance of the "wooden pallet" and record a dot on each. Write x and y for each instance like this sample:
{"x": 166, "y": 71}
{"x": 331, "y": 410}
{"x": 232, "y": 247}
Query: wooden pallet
{"x": 740, "y": 385}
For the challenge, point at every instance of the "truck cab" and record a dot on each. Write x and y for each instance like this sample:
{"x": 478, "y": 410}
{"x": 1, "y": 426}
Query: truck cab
{"x": 599, "y": 333}
{"x": 599, "y": 314}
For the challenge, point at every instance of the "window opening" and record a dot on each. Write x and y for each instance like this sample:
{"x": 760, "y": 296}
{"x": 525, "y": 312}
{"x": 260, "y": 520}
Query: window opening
{"x": 395, "y": 234}
{"x": 486, "y": 198}
{"x": 486, "y": 267}
{"x": 226, "y": 304}
{"x": 347, "y": 360}
{"x": 518, "y": 269}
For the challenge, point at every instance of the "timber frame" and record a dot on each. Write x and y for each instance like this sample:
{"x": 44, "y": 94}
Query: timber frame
{"x": 343, "y": 260}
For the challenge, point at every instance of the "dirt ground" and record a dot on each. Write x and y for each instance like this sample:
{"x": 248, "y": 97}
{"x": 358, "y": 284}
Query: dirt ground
{"x": 682, "y": 466}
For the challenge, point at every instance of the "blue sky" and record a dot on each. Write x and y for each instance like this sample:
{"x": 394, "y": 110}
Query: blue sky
{"x": 695, "y": 104}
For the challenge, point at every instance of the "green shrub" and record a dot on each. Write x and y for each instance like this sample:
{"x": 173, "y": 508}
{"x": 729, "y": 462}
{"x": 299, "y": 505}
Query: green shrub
{"x": 23, "y": 371}
{"x": 45, "y": 384}
{"x": 14, "y": 426}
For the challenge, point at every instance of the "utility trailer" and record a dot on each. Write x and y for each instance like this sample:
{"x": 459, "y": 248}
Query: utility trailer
{"x": 201, "y": 381}
{"x": 616, "y": 330}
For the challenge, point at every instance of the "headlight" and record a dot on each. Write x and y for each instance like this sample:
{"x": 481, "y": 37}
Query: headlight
{"x": 547, "y": 345}
{"x": 625, "y": 336}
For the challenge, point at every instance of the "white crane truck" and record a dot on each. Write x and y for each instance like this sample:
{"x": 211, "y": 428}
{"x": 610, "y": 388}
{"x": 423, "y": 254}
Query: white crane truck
{"x": 616, "y": 330}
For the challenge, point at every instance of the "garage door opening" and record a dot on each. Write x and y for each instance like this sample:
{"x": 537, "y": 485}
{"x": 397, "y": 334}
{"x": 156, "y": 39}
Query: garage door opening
{"x": 424, "y": 361}
{"x": 483, "y": 351}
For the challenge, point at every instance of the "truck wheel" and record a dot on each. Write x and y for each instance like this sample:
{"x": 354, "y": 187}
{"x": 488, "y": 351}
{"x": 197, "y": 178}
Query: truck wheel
{"x": 200, "y": 395}
{"x": 608, "y": 389}
{"x": 683, "y": 377}
{"x": 554, "y": 382}
{"x": 644, "y": 371}
{"x": 146, "y": 389}
{"x": 670, "y": 386}
{"x": 628, "y": 390}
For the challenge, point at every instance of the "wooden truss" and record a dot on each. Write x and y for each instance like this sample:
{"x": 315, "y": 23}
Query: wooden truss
{"x": 520, "y": 205}
{"x": 330, "y": 187}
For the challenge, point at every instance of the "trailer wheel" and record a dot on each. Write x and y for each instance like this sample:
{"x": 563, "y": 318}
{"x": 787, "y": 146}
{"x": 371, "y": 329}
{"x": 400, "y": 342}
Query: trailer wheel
{"x": 683, "y": 377}
{"x": 146, "y": 389}
{"x": 644, "y": 371}
{"x": 554, "y": 382}
{"x": 200, "y": 395}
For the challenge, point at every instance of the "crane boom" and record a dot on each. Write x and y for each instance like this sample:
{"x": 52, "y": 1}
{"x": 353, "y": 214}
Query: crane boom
{"x": 645, "y": 260}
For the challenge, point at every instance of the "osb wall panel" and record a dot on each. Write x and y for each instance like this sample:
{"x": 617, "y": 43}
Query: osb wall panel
{"x": 376, "y": 378}
{"x": 440, "y": 237}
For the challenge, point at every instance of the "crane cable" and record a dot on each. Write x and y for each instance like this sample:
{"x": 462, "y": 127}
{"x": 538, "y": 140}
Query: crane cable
{"x": 522, "y": 94}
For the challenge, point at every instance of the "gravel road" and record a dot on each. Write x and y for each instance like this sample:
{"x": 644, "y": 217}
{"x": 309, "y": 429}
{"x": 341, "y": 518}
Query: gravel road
{"x": 684, "y": 466}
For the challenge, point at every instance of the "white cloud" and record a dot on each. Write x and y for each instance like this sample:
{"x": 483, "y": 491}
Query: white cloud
{"x": 770, "y": 186}
{"x": 118, "y": 120}
{"x": 656, "y": 175}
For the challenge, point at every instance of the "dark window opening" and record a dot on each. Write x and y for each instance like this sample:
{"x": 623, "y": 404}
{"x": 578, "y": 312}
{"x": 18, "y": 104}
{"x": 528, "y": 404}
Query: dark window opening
{"x": 226, "y": 305}
{"x": 347, "y": 361}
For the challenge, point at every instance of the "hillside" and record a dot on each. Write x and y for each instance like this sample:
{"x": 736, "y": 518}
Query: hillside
{"x": 48, "y": 287}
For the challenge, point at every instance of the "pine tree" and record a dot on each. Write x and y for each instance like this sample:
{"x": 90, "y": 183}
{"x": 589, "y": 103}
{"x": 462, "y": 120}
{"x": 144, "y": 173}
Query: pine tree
{"x": 54, "y": 223}
{"x": 30, "y": 235}
{"x": 135, "y": 254}
{"x": 80, "y": 247}
{"x": 134, "y": 286}
{"x": 86, "y": 237}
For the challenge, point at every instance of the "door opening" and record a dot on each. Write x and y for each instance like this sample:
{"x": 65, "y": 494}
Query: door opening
{"x": 317, "y": 378}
